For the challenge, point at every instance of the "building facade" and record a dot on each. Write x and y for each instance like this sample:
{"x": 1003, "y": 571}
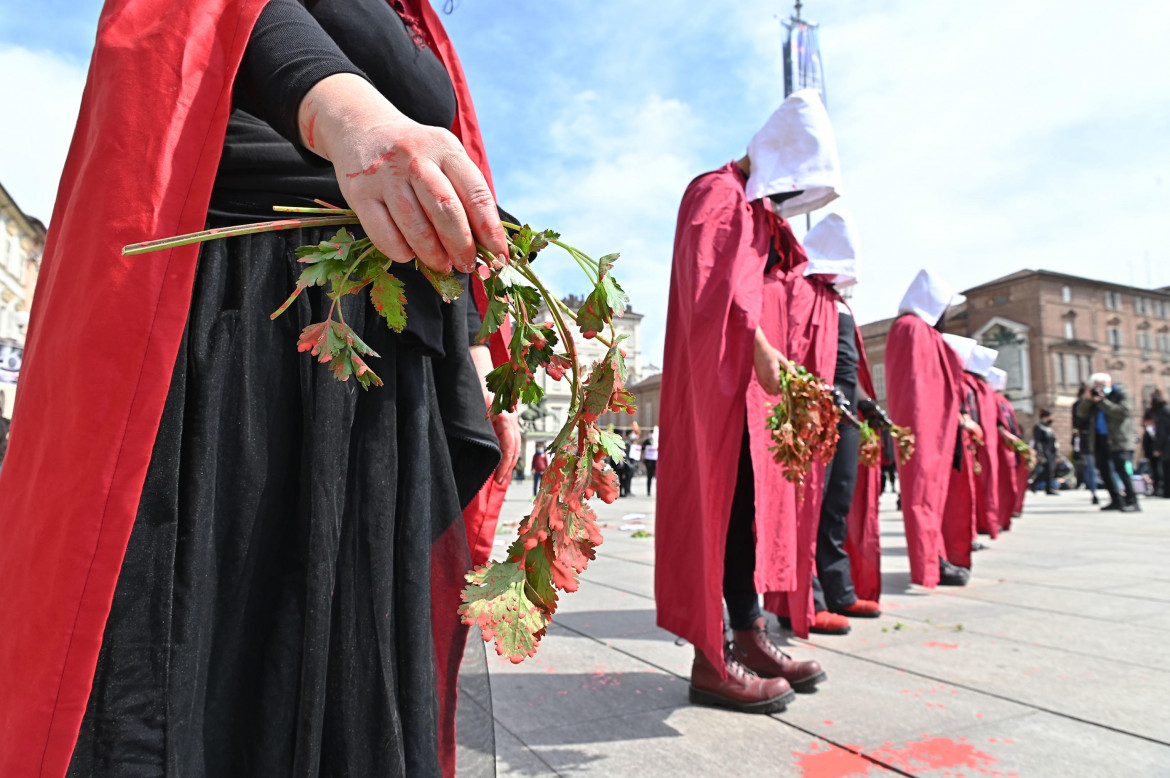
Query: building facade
{"x": 22, "y": 239}
{"x": 539, "y": 423}
{"x": 1052, "y": 332}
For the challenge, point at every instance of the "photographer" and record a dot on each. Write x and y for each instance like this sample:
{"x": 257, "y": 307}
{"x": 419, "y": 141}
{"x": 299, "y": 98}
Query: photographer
{"x": 1110, "y": 438}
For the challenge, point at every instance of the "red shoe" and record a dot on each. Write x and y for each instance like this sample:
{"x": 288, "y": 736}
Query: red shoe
{"x": 827, "y": 623}
{"x": 862, "y": 609}
{"x": 742, "y": 691}
{"x": 759, "y": 654}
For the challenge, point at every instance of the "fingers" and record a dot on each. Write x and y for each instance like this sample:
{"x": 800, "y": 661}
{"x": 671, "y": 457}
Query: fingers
{"x": 507, "y": 430}
{"x": 414, "y": 223}
{"x": 380, "y": 228}
{"x": 444, "y": 209}
{"x": 478, "y": 202}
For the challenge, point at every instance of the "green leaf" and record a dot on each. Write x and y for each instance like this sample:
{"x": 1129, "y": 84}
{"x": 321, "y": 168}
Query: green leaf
{"x": 336, "y": 249}
{"x": 497, "y": 600}
{"x": 446, "y": 284}
{"x": 497, "y": 312}
{"x": 612, "y": 445}
{"x": 386, "y": 293}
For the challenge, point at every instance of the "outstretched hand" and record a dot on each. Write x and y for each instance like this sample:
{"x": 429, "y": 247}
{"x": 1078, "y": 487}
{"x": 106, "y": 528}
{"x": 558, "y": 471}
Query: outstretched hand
{"x": 413, "y": 187}
{"x": 769, "y": 363}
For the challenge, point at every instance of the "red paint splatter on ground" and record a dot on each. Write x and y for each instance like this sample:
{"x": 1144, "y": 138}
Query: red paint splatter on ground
{"x": 834, "y": 763}
{"x": 926, "y": 755}
{"x": 828, "y": 722}
{"x": 944, "y": 646}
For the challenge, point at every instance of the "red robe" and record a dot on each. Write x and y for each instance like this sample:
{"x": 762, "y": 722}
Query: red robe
{"x": 987, "y": 482}
{"x": 923, "y": 380}
{"x": 958, "y": 523}
{"x": 1010, "y": 463}
{"x": 718, "y": 297}
{"x": 813, "y": 319}
{"x": 102, "y": 343}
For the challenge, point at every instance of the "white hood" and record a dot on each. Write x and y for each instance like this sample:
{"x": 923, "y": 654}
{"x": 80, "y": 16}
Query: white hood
{"x": 832, "y": 249}
{"x": 981, "y": 360}
{"x": 964, "y": 347}
{"x": 928, "y": 297}
{"x": 795, "y": 151}
{"x": 997, "y": 379}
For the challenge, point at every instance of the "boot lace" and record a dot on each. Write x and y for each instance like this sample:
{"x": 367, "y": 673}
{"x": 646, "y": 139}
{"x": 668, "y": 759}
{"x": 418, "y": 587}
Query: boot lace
{"x": 734, "y": 666}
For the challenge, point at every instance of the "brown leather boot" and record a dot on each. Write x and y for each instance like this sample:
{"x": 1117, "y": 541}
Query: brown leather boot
{"x": 743, "y": 691}
{"x": 759, "y": 654}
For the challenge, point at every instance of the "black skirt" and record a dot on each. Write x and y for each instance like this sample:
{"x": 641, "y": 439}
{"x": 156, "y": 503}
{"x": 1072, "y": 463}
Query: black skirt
{"x": 273, "y": 612}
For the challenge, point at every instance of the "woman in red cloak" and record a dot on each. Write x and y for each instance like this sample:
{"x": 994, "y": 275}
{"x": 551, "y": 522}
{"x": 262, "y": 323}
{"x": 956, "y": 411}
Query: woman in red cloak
{"x": 726, "y": 529}
{"x": 226, "y": 566}
{"x": 1010, "y": 462}
{"x": 838, "y": 570}
{"x": 924, "y": 393}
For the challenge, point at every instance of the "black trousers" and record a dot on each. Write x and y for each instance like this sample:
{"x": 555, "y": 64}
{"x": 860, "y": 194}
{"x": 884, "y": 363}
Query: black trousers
{"x": 1118, "y": 459}
{"x": 1165, "y": 476}
{"x": 651, "y": 469}
{"x": 833, "y": 585}
{"x": 739, "y": 556}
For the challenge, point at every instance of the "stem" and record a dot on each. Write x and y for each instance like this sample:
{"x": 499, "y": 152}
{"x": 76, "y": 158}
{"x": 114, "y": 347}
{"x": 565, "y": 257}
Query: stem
{"x": 231, "y": 232}
{"x": 566, "y": 335}
{"x": 299, "y": 209}
{"x": 341, "y": 290}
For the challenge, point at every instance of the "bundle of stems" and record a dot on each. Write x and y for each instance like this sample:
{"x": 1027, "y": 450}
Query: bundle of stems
{"x": 803, "y": 425}
{"x": 513, "y": 601}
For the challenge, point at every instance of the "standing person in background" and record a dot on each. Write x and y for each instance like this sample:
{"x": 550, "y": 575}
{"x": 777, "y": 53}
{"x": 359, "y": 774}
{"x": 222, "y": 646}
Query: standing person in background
{"x": 924, "y": 380}
{"x": 838, "y": 562}
{"x": 1161, "y": 415}
{"x": 1111, "y": 436}
{"x": 1150, "y": 451}
{"x": 1086, "y": 461}
{"x": 650, "y": 458}
{"x": 1011, "y": 464}
{"x": 1044, "y": 438}
{"x": 539, "y": 465}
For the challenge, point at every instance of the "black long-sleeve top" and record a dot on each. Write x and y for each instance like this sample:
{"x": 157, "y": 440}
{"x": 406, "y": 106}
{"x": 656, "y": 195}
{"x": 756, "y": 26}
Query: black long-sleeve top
{"x": 294, "y": 45}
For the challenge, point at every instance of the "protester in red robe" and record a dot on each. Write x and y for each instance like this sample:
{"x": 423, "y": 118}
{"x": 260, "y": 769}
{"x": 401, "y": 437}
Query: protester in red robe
{"x": 924, "y": 393}
{"x": 984, "y": 410}
{"x": 1011, "y": 463}
{"x": 960, "y": 514}
{"x": 726, "y": 528}
{"x": 838, "y": 570}
{"x": 207, "y": 662}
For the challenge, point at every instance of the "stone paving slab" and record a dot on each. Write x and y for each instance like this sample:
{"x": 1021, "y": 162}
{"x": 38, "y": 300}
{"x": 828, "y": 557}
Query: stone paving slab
{"x": 1049, "y": 663}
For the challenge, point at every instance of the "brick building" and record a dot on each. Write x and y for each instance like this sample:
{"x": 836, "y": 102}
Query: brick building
{"x": 540, "y": 422}
{"x": 1052, "y": 331}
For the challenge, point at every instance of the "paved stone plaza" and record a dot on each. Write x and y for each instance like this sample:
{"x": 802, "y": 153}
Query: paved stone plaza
{"x": 1052, "y": 662}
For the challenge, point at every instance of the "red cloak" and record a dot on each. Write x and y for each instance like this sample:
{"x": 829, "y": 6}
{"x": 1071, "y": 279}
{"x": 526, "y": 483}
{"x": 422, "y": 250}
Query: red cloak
{"x": 1010, "y": 463}
{"x": 718, "y": 297}
{"x": 102, "y": 343}
{"x": 987, "y": 482}
{"x": 958, "y": 522}
{"x": 813, "y": 319}
{"x": 923, "y": 379}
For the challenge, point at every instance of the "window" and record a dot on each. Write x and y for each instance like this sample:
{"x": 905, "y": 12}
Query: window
{"x": 1113, "y": 336}
{"x": 1066, "y": 294}
{"x": 1069, "y": 330}
{"x": 1072, "y": 370}
{"x": 1145, "y": 340}
{"x": 1161, "y": 308}
{"x": 1141, "y": 306}
{"x": 1113, "y": 301}
{"x": 1164, "y": 343}
{"x": 879, "y": 382}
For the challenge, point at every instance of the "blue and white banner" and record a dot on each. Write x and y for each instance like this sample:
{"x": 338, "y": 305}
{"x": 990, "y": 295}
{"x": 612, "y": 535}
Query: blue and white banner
{"x": 803, "y": 68}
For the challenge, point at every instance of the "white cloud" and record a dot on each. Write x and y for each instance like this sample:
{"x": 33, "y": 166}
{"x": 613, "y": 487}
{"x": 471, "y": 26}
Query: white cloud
{"x": 609, "y": 178}
{"x": 41, "y": 93}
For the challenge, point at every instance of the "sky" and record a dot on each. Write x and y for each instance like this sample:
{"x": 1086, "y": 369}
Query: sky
{"x": 976, "y": 139}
